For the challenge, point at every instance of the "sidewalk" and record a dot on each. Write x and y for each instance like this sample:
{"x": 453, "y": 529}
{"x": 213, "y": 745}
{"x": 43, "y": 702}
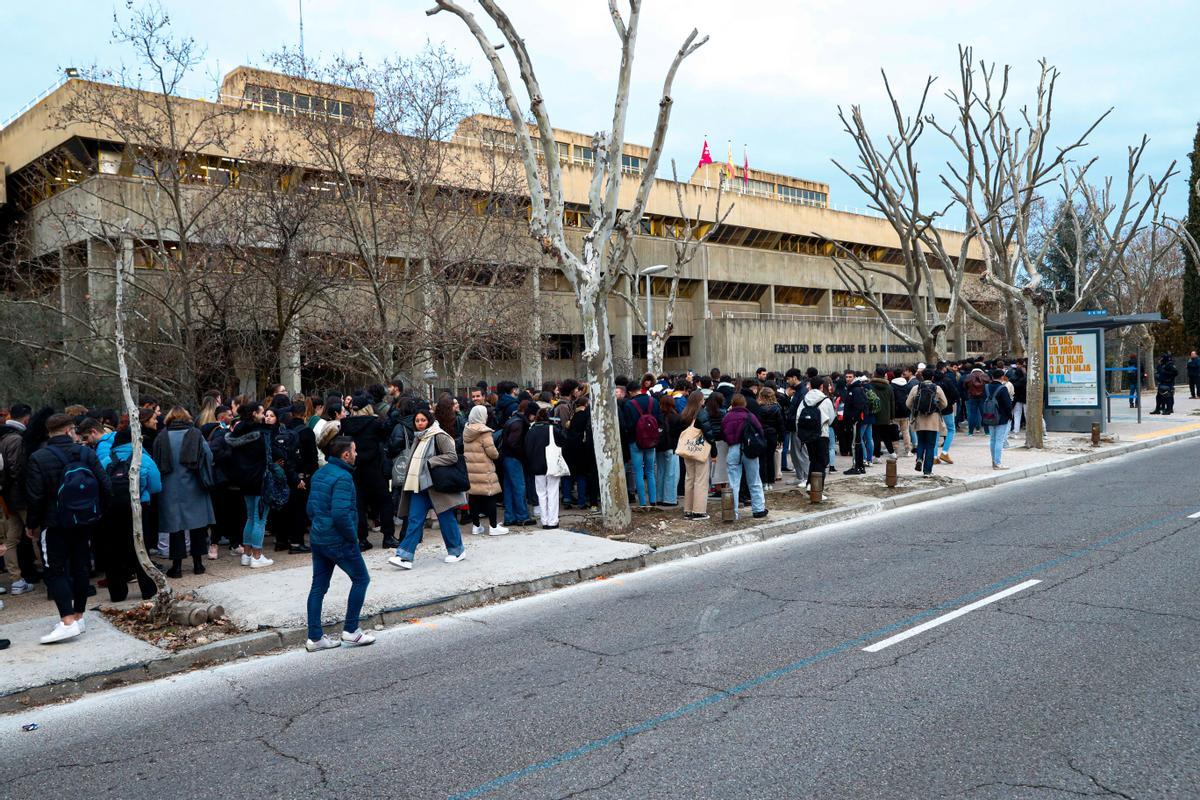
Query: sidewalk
{"x": 270, "y": 603}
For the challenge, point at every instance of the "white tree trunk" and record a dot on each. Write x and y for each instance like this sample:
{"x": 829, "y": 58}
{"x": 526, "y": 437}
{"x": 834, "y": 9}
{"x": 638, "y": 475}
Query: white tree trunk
{"x": 1035, "y": 434}
{"x": 606, "y": 429}
{"x": 163, "y": 599}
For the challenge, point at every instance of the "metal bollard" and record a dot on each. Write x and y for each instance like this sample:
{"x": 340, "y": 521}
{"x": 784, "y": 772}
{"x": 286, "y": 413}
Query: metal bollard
{"x": 889, "y": 475}
{"x": 728, "y": 506}
{"x": 1095, "y": 434}
{"x": 816, "y": 486}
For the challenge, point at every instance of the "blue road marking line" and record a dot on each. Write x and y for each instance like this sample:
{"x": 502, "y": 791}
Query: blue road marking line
{"x": 716, "y": 697}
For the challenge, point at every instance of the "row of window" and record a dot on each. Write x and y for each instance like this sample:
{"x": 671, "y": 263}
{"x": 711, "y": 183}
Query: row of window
{"x": 280, "y": 101}
{"x": 806, "y": 197}
{"x": 569, "y": 346}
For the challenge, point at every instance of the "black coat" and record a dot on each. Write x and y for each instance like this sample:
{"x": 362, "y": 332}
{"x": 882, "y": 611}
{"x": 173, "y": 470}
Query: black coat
{"x": 771, "y": 417}
{"x": 247, "y": 460}
{"x": 672, "y": 427}
{"x": 537, "y": 438}
{"x": 950, "y": 389}
{"x": 369, "y": 433}
{"x": 306, "y": 455}
{"x": 43, "y": 475}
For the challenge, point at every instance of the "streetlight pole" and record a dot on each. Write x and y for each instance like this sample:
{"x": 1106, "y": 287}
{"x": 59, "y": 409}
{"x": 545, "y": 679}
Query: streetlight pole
{"x": 648, "y": 273}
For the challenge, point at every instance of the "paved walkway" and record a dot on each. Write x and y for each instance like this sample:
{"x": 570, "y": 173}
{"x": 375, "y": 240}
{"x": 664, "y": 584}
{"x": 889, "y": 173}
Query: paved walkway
{"x": 276, "y": 597}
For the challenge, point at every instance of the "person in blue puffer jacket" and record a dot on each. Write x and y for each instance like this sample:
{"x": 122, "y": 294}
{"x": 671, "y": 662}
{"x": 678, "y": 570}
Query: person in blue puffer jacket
{"x": 115, "y": 545}
{"x": 333, "y": 509}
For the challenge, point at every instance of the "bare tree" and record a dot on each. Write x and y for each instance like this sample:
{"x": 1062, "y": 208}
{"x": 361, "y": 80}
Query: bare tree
{"x": 888, "y": 173}
{"x": 163, "y": 597}
{"x": 687, "y": 236}
{"x": 588, "y": 268}
{"x": 160, "y": 180}
{"x": 1009, "y": 165}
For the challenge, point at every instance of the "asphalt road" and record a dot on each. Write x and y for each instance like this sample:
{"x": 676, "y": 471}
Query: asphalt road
{"x": 738, "y": 675}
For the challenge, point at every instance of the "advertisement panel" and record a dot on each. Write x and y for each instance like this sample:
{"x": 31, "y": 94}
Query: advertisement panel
{"x": 1074, "y": 373}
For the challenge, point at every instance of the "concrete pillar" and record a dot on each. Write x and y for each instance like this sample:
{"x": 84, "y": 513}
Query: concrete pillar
{"x": 825, "y": 304}
{"x": 959, "y": 331}
{"x": 247, "y": 375}
{"x": 621, "y": 326}
{"x": 289, "y": 358}
{"x": 766, "y": 301}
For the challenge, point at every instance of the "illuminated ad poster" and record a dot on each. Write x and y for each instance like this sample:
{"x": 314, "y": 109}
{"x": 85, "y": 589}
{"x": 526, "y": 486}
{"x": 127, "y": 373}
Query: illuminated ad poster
{"x": 1073, "y": 369}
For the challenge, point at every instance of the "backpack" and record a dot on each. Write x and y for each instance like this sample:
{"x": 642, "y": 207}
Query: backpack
{"x": 753, "y": 443}
{"x": 78, "y": 491}
{"x": 646, "y": 431}
{"x": 118, "y": 476}
{"x": 808, "y": 422}
{"x": 974, "y": 388}
{"x": 874, "y": 404}
{"x": 989, "y": 411}
{"x": 275, "y": 486}
{"x": 926, "y": 402}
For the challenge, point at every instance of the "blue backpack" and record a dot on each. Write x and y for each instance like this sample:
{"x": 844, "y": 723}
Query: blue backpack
{"x": 78, "y": 492}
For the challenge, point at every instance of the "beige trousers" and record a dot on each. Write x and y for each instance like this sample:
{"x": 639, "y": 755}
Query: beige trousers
{"x": 695, "y": 487}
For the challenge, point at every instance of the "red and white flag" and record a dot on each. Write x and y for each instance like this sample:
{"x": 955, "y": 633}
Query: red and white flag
{"x": 705, "y": 155}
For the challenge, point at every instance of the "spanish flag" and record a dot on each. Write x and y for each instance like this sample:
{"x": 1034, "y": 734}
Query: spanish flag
{"x": 729, "y": 168}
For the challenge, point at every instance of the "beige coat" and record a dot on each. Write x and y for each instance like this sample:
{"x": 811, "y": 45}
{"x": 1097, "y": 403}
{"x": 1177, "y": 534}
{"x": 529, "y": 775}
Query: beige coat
{"x": 926, "y": 422}
{"x": 480, "y": 451}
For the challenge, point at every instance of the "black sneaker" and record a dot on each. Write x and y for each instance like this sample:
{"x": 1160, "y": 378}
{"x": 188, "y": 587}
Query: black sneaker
{"x": 855, "y": 471}
{"x": 365, "y": 545}
{"x": 699, "y": 516}
{"x": 4, "y": 643}
{"x": 760, "y": 514}
{"x": 299, "y": 548}
{"x": 175, "y": 572}
{"x": 390, "y": 543}
{"x": 832, "y": 470}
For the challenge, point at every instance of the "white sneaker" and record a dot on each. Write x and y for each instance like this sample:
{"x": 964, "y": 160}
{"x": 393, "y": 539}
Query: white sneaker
{"x": 324, "y": 643}
{"x": 239, "y": 550}
{"x": 1, "y": 605}
{"x": 537, "y": 511}
{"x": 497, "y": 530}
{"x": 246, "y": 559}
{"x": 82, "y": 625}
{"x": 359, "y": 638}
{"x": 455, "y": 559}
{"x": 397, "y": 561}
{"x": 20, "y": 586}
{"x": 477, "y": 530}
{"x": 62, "y": 632}
{"x": 261, "y": 561}
{"x": 3, "y": 590}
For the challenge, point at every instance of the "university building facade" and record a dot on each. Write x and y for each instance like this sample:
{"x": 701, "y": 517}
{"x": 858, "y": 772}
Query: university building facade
{"x": 760, "y": 291}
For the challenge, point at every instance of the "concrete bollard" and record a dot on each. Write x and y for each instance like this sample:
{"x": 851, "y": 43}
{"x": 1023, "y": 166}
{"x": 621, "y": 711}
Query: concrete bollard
{"x": 1095, "y": 434}
{"x": 728, "y": 506}
{"x": 889, "y": 475}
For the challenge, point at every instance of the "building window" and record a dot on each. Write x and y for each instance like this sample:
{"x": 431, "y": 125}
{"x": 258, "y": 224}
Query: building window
{"x": 563, "y": 346}
{"x": 806, "y": 197}
{"x": 585, "y": 155}
{"x": 632, "y": 164}
{"x": 278, "y": 101}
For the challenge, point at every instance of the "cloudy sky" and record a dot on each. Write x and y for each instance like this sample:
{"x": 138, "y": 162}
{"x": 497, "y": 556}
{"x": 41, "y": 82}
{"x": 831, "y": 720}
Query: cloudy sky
{"x": 770, "y": 79}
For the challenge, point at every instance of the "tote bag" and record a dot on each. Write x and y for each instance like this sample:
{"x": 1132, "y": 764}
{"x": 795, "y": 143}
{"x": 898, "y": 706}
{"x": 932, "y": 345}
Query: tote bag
{"x": 556, "y": 465}
{"x": 691, "y": 445}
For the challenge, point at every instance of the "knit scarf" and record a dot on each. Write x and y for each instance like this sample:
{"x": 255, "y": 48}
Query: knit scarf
{"x": 189, "y": 451}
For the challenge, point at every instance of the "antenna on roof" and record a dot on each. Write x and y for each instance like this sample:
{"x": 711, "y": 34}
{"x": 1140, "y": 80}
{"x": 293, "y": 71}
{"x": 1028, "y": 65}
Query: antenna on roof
{"x": 303, "y": 63}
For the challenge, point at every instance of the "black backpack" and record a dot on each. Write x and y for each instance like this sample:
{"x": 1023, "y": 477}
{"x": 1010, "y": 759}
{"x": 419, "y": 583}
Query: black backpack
{"x": 753, "y": 443}
{"x": 78, "y": 491}
{"x": 118, "y": 477}
{"x": 926, "y": 399}
{"x": 808, "y": 422}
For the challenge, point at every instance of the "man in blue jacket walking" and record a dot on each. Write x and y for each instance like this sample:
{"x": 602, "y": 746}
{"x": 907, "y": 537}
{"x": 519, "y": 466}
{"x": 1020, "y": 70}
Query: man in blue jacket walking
{"x": 333, "y": 509}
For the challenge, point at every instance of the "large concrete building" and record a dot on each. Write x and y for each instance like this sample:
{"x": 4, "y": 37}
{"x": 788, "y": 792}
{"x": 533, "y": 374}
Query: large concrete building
{"x": 761, "y": 291}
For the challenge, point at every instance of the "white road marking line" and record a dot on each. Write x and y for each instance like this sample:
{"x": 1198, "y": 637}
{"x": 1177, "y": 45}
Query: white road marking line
{"x": 1194, "y": 516}
{"x": 933, "y": 623}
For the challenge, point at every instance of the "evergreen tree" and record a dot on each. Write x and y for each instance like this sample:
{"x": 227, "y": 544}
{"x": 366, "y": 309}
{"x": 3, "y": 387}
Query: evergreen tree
{"x": 1191, "y": 270}
{"x": 1058, "y": 269}
{"x": 1169, "y": 336}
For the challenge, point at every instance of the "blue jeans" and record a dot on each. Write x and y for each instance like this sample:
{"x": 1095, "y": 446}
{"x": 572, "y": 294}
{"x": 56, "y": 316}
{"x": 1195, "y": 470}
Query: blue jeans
{"x": 256, "y": 524}
{"x": 735, "y": 463}
{"x": 833, "y": 450}
{"x": 348, "y": 558}
{"x": 868, "y": 442}
{"x": 667, "y": 476}
{"x": 948, "y": 439}
{"x": 999, "y": 433}
{"x": 974, "y": 415}
{"x": 643, "y": 474}
{"x": 515, "y": 509}
{"x": 418, "y": 506}
{"x": 926, "y": 450}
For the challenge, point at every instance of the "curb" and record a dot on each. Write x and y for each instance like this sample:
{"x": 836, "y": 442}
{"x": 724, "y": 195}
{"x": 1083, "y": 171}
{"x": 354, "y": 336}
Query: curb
{"x": 265, "y": 641}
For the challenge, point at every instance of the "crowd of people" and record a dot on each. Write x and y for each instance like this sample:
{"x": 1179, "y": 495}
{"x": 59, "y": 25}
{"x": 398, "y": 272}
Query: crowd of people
{"x": 321, "y": 474}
